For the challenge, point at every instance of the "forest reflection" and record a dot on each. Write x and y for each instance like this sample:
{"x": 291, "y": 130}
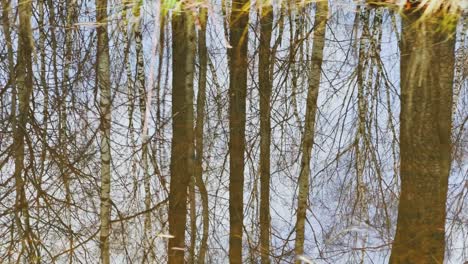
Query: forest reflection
{"x": 233, "y": 131}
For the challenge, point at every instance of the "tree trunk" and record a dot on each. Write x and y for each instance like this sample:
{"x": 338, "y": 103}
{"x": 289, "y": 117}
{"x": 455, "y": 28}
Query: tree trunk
{"x": 311, "y": 109}
{"x": 24, "y": 83}
{"x": 237, "y": 58}
{"x": 104, "y": 86}
{"x": 148, "y": 254}
{"x": 265, "y": 83}
{"x": 201, "y": 100}
{"x": 360, "y": 147}
{"x": 183, "y": 44}
{"x": 427, "y": 68}
{"x": 70, "y": 10}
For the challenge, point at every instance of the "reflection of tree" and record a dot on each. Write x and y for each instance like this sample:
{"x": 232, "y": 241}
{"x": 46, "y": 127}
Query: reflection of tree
{"x": 425, "y": 137}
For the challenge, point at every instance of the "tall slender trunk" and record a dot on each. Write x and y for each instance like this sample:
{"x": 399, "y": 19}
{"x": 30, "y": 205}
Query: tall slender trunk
{"x": 360, "y": 206}
{"x": 425, "y": 131}
{"x": 265, "y": 83}
{"x": 126, "y": 32}
{"x": 359, "y": 146}
{"x": 12, "y": 76}
{"x": 237, "y": 58}
{"x": 63, "y": 119}
{"x": 24, "y": 82}
{"x": 104, "y": 86}
{"x": 200, "y": 123}
{"x": 6, "y": 8}
{"x": 141, "y": 89}
{"x": 321, "y": 18}
{"x": 183, "y": 50}
{"x": 45, "y": 110}
{"x": 159, "y": 102}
